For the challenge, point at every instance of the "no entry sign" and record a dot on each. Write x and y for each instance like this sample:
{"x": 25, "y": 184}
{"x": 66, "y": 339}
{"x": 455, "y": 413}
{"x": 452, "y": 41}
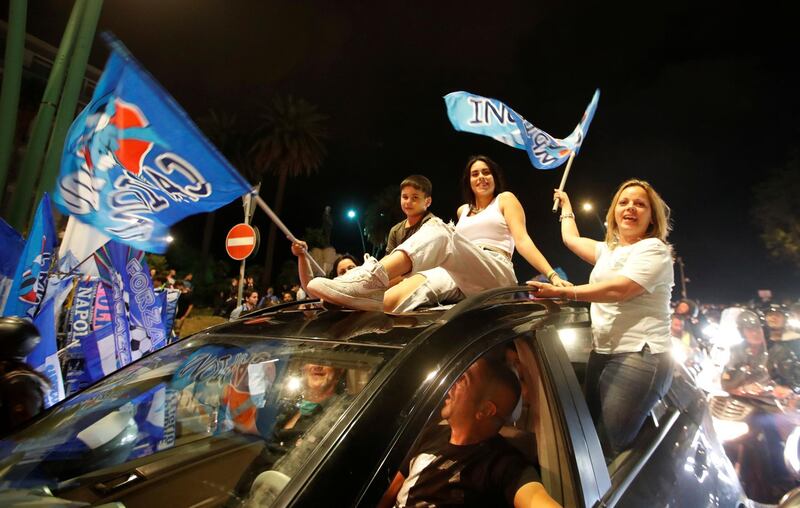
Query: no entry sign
{"x": 241, "y": 241}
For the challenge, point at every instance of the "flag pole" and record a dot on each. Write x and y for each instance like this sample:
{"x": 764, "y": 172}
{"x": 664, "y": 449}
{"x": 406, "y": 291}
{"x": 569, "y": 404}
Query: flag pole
{"x": 265, "y": 207}
{"x": 556, "y": 201}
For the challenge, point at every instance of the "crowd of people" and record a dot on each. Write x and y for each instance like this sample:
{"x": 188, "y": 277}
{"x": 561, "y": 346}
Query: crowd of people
{"x": 429, "y": 262}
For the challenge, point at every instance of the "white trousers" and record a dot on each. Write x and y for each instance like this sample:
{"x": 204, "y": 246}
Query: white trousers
{"x": 438, "y": 289}
{"x": 472, "y": 268}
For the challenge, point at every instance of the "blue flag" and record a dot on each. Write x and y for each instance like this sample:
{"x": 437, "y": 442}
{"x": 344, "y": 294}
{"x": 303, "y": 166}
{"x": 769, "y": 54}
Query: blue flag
{"x": 134, "y": 163}
{"x": 30, "y": 277}
{"x": 44, "y": 358}
{"x": 135, "y": 311}
{"x": 490, "y": 117}
{"x": 12, "y": 243}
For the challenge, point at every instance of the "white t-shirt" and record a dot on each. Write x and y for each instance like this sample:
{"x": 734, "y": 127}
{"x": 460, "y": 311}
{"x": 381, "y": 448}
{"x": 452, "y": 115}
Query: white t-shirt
{"x": 626, "y": 327}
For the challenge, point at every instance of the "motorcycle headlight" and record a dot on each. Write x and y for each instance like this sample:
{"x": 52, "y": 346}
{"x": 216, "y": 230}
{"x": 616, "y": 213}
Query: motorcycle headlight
{"x": 728, "y": 430}
{"x": 678, "y": 352}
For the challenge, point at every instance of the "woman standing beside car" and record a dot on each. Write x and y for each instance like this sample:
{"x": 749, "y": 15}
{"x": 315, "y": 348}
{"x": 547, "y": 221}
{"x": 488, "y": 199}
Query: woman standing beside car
{"x": 630, "y": 367}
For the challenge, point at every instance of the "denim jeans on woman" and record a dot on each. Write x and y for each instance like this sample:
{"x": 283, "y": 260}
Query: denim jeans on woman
{"x": 621, "y": 389}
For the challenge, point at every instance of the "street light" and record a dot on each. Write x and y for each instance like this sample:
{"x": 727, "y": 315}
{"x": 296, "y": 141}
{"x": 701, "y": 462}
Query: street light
{"x": 588, "y": 207}
{"x": 351, "y": 214}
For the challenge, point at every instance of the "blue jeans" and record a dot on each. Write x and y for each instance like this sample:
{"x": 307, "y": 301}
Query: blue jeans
{"x": 621, "y": 389}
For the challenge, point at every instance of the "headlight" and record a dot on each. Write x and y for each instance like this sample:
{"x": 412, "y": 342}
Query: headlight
{"x": 729, "y": 430}
{"x": 678, "y": 352}
{"x": 710, "y": 330}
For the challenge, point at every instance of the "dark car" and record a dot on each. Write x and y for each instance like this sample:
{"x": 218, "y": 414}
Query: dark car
{"x": 226, "y": 417}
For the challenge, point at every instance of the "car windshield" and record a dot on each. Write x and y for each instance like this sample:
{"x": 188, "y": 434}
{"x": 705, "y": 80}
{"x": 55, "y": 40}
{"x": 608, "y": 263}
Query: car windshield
{"x": 276, "y": 397}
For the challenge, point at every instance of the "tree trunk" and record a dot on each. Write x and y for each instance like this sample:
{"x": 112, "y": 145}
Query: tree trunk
{"x": 266, "y": 276}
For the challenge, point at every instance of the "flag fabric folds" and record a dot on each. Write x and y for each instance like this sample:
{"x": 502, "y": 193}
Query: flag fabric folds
{"x": 134, "y": 163}
{"x": 30, "y": 277}
{"x": 79, "y": 243}
{"x": 490, "y": 117}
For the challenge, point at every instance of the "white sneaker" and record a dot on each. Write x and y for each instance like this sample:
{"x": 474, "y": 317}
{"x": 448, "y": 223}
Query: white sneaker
{"x": 361, "y": 288}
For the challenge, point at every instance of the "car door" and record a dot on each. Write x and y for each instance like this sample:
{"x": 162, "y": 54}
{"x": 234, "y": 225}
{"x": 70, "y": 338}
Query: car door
{"x": 423, "y": 408}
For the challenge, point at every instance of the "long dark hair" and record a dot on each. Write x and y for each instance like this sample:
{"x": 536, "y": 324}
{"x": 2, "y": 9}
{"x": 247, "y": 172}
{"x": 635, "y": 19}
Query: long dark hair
{"x": 497, "y": 174}
{"x": 333, "y": 274}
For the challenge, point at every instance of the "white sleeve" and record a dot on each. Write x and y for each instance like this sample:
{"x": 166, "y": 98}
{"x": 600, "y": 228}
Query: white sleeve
{"x": 649, "y": 264}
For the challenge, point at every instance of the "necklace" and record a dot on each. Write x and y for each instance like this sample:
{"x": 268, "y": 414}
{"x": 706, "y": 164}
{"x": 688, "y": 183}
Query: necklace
{"x": 475, "y": 210}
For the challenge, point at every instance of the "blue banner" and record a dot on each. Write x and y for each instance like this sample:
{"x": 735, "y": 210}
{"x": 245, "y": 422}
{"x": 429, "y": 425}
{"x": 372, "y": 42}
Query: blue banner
{"x": 44, "y": 357}
{"x": 135, "y": 311}
{"x": 12, "y": 243}
{"x": 30, "y": 277}
{"x": 134, "y": 163}
{"x": 490, "y": 117}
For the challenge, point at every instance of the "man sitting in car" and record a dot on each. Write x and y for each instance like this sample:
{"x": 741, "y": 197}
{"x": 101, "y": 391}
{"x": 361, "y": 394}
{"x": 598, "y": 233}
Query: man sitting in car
{"x": 285, "y": 424}
{"x": 467, "y": 462}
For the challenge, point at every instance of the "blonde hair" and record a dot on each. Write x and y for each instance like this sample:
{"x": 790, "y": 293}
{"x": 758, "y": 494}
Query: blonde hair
{"x": 660, "y": 225}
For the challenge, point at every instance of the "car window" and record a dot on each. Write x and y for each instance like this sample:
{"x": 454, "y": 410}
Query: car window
{"x": 435, "y": 471}
{"x": 199, "y": 399}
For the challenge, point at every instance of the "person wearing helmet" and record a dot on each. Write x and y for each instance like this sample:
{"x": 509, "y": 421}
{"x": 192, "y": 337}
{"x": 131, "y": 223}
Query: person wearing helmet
{"x": 22, "y": 389}
{"x": 747, "y": 368}
{"x": 784, "y": 353}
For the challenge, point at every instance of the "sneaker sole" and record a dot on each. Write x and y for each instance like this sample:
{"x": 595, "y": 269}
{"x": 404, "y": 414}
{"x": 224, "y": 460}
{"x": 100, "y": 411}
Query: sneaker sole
{"x": 330, "y": 295}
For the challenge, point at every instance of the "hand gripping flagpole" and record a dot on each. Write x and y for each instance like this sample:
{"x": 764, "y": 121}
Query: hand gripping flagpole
{"x": 556, "y": 201}
{"x": 265, "y": 207}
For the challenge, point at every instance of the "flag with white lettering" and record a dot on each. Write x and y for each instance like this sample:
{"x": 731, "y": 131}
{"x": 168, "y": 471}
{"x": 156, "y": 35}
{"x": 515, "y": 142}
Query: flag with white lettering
{"x": 44, "y": 357}
{"x": 30, "y": 278}
{"x": 135, "y": 311}
{"x": 490, "y": 117}
{"x": 134, "y": 163}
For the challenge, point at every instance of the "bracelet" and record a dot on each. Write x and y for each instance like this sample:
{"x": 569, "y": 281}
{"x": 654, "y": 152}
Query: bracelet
{"x": 550, "y": 275}
{"x": 563, "y": 216}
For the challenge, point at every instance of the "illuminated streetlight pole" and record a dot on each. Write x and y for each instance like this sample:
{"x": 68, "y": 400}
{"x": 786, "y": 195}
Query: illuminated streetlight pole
{"x": 351, "y": 214}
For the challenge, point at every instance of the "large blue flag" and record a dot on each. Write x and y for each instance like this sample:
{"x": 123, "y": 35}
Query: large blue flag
{"x": 490, "y": 117}
{"x": 135, "y": 311}
{"x": 134, "y": 163}
{"x": 30, "y": 277}
{"x": 12, "y": 243}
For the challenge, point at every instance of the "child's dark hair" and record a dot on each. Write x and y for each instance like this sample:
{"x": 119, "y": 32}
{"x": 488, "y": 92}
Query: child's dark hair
{"x": 497, "y": 174}
{"x": 419, "y": 182}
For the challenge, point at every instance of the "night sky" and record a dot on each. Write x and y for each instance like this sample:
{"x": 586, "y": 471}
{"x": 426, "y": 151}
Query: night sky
{"x": 701, "y": 101}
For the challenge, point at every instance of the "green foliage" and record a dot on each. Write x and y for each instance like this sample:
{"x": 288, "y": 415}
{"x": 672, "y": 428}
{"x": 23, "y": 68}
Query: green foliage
{"x": 775, "y": 211}
{"x": 157, "y": 262}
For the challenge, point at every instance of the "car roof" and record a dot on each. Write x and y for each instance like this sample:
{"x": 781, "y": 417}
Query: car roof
{"x": 313, "y": 320}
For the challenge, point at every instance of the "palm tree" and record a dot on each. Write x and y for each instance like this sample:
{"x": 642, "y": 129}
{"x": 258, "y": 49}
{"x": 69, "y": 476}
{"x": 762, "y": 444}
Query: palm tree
{"x": 290, "y": 143}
